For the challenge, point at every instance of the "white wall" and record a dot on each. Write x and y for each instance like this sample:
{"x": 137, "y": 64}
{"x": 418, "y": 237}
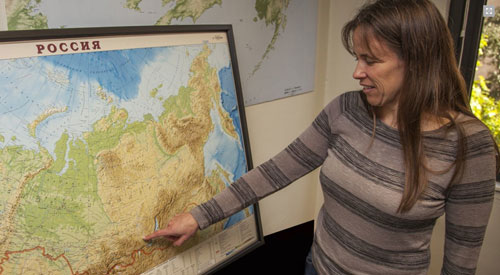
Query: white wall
{"x": 273, "y": 125}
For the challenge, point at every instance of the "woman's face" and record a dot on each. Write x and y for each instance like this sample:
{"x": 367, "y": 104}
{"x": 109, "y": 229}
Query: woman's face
{"x": 379, "y": 70}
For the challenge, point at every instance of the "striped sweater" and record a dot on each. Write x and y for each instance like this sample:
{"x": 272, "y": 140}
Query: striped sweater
{"x": 358, "y": 228}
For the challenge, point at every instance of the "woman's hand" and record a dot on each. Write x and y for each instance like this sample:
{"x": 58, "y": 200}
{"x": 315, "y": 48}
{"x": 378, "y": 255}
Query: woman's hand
{"x": 179, "y": 229}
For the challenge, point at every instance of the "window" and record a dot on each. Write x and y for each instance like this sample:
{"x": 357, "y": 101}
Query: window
{"x": 477, "y": 40}
{"x": 485, "y": 93}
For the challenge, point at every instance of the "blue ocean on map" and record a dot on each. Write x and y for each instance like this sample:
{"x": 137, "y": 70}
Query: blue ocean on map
{"x": 116, "y": 71}
{"x": 230, "y": 105}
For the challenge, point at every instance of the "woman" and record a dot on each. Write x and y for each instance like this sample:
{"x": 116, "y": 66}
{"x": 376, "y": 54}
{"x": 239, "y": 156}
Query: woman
{"x": 394, "y": 156}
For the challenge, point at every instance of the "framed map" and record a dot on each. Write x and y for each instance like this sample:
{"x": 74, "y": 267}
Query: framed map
{"x": 106, "y": 134}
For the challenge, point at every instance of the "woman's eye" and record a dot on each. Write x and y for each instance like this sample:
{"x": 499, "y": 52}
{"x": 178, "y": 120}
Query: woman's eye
{"x": 370, "y": 61}
{"x": 366, "y": 59}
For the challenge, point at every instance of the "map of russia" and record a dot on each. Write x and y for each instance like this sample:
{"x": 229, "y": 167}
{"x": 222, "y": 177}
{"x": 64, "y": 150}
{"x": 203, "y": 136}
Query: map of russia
{"x": 112, "y": 144}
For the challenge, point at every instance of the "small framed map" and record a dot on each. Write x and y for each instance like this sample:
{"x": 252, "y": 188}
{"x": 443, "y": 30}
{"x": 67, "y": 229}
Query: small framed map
{"x": 105, "y": 135}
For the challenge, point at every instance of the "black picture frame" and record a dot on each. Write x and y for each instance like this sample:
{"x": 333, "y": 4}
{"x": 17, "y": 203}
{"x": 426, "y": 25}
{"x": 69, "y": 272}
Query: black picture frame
{"x": 13, "y": 37}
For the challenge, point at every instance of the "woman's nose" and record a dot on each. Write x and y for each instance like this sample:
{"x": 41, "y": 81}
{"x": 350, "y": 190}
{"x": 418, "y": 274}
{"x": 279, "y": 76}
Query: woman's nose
{"x": 358, "y": 73}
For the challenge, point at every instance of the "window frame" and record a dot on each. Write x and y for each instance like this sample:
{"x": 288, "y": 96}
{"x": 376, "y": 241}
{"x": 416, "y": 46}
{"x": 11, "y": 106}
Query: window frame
{"x": 465, "y": 21}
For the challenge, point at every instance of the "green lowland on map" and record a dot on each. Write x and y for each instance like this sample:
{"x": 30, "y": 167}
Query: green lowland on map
{"x": 99, "y": 149}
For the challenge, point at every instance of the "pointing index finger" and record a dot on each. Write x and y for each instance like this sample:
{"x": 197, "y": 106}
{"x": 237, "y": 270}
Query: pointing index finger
{"x": 156, "y": 234}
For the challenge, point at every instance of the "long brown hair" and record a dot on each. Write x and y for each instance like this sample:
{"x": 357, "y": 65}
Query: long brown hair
{"x": 433, "y": 84}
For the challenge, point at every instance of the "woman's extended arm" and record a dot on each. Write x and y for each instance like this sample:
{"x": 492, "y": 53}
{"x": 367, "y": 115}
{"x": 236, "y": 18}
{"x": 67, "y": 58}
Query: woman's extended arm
{"x": 303, "y": 155}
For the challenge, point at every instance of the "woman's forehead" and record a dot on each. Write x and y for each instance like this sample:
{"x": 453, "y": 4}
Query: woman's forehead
{"x": 365, "y": 41}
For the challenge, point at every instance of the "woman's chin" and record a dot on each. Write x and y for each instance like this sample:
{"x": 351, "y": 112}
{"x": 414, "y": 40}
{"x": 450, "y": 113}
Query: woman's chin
{"x": 374, "y": 100}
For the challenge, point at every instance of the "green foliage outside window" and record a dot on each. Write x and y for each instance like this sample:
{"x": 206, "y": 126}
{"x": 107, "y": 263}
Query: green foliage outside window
{"x": 485, "y": 95}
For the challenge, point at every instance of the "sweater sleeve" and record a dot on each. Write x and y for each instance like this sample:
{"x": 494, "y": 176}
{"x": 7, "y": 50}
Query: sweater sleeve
{"x": 469, "y": 205}
{"x": 303, "y": 155}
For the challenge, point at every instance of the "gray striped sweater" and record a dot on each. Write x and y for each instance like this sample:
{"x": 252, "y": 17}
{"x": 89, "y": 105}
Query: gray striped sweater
{"x": 358, "y": 228}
